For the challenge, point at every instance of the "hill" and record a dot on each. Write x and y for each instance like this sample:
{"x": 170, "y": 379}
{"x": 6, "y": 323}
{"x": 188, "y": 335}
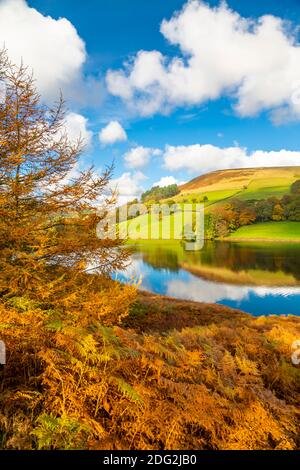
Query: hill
{"x": 240, "y": 180}
{"x": 246, "y": 184}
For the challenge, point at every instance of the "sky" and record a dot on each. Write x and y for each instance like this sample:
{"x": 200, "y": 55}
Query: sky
{"x": 168, "y": 90}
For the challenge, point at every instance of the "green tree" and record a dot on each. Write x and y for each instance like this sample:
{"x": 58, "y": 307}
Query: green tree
{"x": 157, "y": 193}
{"x": 295, "y": 187}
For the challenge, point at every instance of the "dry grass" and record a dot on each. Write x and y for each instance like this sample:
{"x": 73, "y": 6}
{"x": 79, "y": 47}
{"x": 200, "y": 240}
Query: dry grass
{"x": 239, "y": 178}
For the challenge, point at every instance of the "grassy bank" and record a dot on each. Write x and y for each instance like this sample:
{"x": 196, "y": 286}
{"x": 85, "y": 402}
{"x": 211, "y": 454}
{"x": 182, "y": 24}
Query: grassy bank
{"x": 271, "y": 231}
{"x": 267, "y": 231}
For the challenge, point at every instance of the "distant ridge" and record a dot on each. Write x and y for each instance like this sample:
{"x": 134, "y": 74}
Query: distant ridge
{"x": 241, "y": 178}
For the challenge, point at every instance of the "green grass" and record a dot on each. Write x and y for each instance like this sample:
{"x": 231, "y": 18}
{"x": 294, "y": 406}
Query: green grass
{"x": 279, "y": 231}
{"x": 259, "y": 184}
{"x": 264, "y": 192}
{"x": 213, "y": 196}
{"x": 142, "y": 228}
{"x": 269, "y": 231}
{"x": 251, "y": 192}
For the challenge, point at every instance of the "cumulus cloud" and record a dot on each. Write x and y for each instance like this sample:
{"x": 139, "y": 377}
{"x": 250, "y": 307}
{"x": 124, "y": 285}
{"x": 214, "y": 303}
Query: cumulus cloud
{"x": 112, "y": 133}
{"x": 76, "y": 126}
{"x": 257, "y": 61}
{"x": 52, "y": 48}
{"x": 166, "y": 181}
{"x": 203, "y": 158}
{"x": 139, "y": 157}
{"x": 128, "y": 185}
{"x": 201, "y": 290}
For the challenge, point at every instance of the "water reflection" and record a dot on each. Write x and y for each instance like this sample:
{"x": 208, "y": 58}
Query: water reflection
{"x": 260, "y": 279}
{"x": 268, "y": 257}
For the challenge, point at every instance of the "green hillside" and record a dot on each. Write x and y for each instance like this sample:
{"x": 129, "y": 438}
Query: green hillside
{"x": 268, "y": 230}
{"x": 218, "y": 188}
{"x": 246, "y": 184}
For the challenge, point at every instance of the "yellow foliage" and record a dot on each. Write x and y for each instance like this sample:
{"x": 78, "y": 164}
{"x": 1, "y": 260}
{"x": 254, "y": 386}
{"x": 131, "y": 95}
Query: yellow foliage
{"x": 83, "y": 370}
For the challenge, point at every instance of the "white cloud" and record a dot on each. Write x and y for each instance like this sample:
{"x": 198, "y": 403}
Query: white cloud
{"x": 256, "y": 61}
{"x": 166, "y": 181}
{"x": 128, "y": 186}
{"x": 76, "y": 127}
{"x": 112, "y": 133}
{"x": 139, "y": 157}
{"x": 201, "y": 290}
{"x": 52, "y": 48}
{"x": 203, "y": 158}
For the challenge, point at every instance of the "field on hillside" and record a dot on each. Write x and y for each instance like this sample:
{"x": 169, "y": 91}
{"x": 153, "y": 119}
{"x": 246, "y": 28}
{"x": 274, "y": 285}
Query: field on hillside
{"x": 269, "y": 230}
{"x": 219, "y": 187}
{"x": 241, "y": 178}
{"x": 144, "y": 226}
{"x": 262, "y": 231}
{"x": 246, "y": 184}
{"x": 208, "y": 198}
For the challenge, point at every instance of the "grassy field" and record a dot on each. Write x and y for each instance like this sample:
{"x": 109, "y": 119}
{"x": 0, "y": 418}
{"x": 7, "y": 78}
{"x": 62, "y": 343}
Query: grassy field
{"x": 268, "y": 231}
{"x": 246, "y": 184}
{"x": 219, "y": 187}
{"x": 144, "y": 226}
{"x": 241, "y": 179}
{"x": 263, "y": 192}
{"x": 212, "y": 197}
{"x": 273, "y": 231}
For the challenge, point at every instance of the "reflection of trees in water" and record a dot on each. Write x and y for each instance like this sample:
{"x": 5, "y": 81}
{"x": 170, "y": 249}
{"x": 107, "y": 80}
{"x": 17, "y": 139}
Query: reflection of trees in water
{"x": 239, "y": 257}
{"x": 234, "y": 256}
{"x": 161, "y": 258}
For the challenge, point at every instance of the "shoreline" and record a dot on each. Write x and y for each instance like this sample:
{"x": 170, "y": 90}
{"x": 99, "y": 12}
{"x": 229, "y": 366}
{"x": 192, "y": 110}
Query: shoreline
{"x": 233, "y": 239}
{"x": 158, "y": 314}
{"x": 260, "y": 240}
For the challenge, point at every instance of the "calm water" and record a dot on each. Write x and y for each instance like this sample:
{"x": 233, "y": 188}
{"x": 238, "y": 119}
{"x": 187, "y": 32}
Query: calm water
{"x": 261, "y": 279}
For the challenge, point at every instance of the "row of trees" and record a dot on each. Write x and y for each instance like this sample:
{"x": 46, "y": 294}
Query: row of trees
{"x": 229, "y": 217}
{"x": 156, "y": 193}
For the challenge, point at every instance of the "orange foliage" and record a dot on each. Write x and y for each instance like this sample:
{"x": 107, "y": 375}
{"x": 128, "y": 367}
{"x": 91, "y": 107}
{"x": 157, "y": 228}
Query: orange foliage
{"x": 79, "y": 373}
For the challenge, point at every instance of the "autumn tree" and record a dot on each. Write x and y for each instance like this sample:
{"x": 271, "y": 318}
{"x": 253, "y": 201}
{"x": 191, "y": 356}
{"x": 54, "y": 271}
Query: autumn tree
{"x": 278, "y": 213}
{"x": 48, "y": 212}
{"x": 55, "y": 316}
{"x": 247, "y": 216}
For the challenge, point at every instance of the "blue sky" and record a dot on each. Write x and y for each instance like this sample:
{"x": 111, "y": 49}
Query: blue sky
{"x": 170, "y": 124}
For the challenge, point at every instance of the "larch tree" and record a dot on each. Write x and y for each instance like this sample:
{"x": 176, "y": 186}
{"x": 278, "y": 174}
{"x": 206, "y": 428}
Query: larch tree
{"x": 55, "y": 317}
{"x": 48, "y": 213}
